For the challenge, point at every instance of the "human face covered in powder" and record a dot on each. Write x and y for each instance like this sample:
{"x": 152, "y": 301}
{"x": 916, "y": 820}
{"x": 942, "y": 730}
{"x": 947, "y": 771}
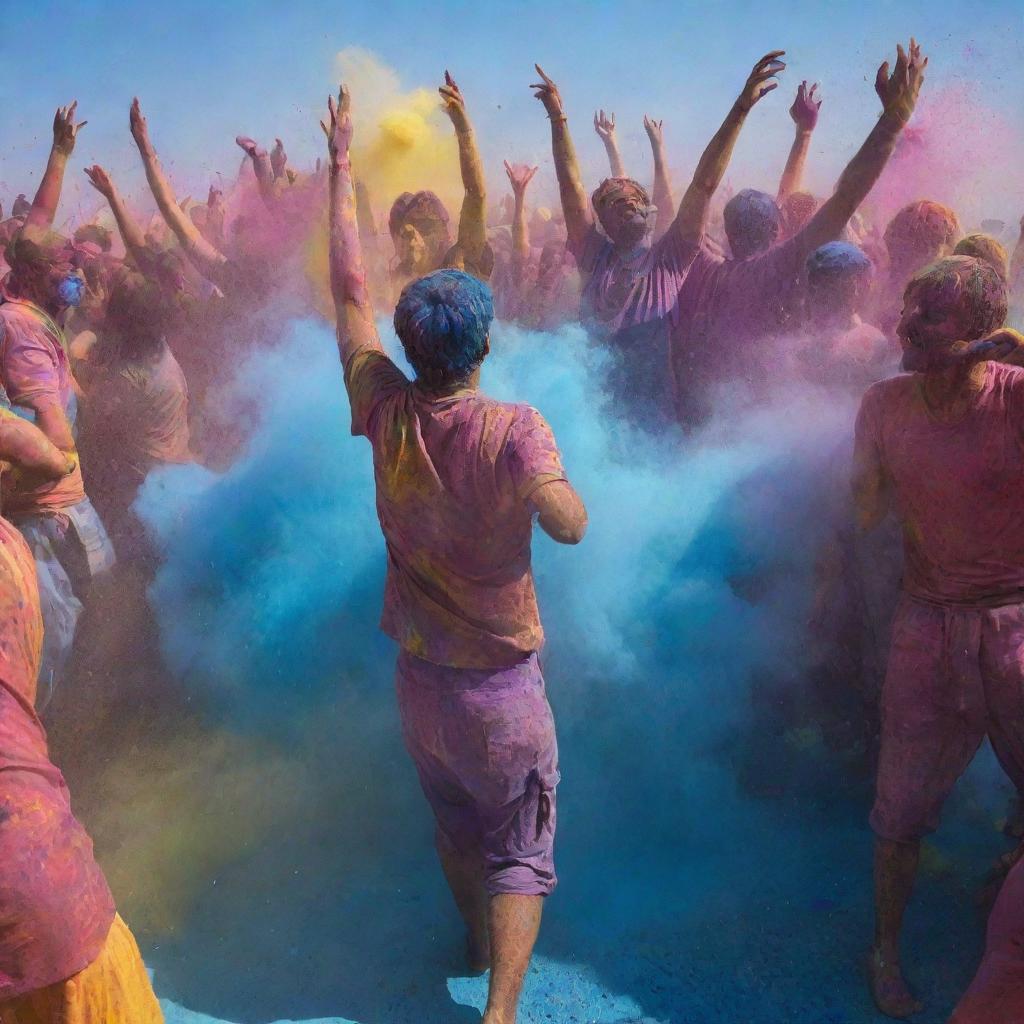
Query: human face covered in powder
{"x": 625, "y": 212}
{"x": 947, "y": 307}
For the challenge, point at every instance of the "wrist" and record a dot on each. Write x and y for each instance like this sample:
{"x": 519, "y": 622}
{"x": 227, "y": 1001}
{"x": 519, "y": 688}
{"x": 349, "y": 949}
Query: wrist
{"x": 894, "y": 121}
{"x": 341, "y": 163}
{"x": 804, "y": 132}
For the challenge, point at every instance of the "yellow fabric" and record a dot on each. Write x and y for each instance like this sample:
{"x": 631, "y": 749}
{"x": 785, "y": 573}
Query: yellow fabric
{"x": 113, "y": 989}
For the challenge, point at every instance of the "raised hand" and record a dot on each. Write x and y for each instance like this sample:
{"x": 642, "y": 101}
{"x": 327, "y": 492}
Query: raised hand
{"x": 805, "y": 107}
{"x": 138, "y": 125}
{"x": 519, "y": 176}
{"x": 653, "y": 129}
{"x": 100, "y": 180}
{"x": 278, "y": 158}
{"x": 899, "y": 91}
{"x": 338, "y": 128}
{"x": 999, "y": 346}
{"x": 251, "y": 146}
{"x": 214, "y": 197}
{"x": 604, "y": 126}
{"x": 760, "y": 81}
{"x": 65, "y": 131}
{"x": 547, "y": 92}
{"x": 454, "y": 104}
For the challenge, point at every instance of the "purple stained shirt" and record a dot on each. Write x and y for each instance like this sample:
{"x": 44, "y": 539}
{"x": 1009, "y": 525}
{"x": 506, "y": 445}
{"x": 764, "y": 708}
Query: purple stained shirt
{"x": 727, "y": 307}
{"x": 454, "y": 475}
{"x": 621, "y": 291}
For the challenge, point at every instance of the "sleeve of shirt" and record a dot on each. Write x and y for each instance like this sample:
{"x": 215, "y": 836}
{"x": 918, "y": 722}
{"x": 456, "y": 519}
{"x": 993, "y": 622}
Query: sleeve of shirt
{"x": 370, "y": 378}
{"x": 587, "y": 251}
{"x": 676, "y": 253}
{"x": 30, "y": 370}
{"x": 532, "y": 454}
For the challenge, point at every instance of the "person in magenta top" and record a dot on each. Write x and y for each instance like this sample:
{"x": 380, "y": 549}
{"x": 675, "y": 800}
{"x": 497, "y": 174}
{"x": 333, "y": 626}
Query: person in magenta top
{"x": 459, "y": 480}
{"x": 66, "y": 535}
{"x": 631, "y": 285}
{"x": 730, "y": 308}
{"x": 65, "y": 954}
{"x": 944, "y": 446}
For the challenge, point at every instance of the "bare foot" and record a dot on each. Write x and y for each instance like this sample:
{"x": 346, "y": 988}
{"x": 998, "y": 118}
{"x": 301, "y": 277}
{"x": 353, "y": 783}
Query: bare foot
{"x": 889, "y": 990}
{"x": 478, "y": 955}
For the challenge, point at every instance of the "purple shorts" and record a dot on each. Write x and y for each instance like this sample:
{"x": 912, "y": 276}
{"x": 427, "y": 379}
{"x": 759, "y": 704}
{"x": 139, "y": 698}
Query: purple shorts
{"x": 483, "y": 741}
{"x": 955, "y": 675}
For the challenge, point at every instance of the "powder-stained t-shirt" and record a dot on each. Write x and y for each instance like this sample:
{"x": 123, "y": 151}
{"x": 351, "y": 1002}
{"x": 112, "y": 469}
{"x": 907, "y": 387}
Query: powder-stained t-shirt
{"x": 958, "y": 486}
{"x": 55, "y": 907}
{"x": 35, "y": 371}
{"x": 454, "y": 475}
{"x": 726, "y": 308}
{"x": 142, "y": 410}
{"x": 621, "y": 290}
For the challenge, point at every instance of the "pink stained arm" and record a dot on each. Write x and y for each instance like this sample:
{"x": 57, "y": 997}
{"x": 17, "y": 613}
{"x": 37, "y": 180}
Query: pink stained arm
{"x": 356, "y": 328}
{"x": 575, "y": 204}
{"x": 208, "y": 260}
{"x": 44, "y": 206}
{"x": 692, "y": 217}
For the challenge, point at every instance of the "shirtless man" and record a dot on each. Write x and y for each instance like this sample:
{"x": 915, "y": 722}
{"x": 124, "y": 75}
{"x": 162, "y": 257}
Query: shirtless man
{"x": 459, "y": 479}
{"x": 944, "y": 445}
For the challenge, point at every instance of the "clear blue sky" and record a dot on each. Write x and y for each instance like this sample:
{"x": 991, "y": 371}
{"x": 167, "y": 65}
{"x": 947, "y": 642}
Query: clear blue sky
{"x": 206, "y": 71}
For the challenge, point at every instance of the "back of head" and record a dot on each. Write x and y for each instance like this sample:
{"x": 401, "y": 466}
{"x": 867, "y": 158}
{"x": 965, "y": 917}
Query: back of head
{"x": 966, "y": 287}
{"x": 443, "y": 321}
{"x": 796, "y": 210}
{"x": 838, "y": 278}
{"x": 138, "y": 314}
{"x": 96, "y": 234}
{"x": 984, "y": 247}
{"x": 752, "y": 222}
{"x": 33, "y": 260}
{"x": 920, "y": 233}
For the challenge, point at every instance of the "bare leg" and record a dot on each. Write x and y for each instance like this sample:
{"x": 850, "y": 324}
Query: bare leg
{"x": 514, "y": 922}
{"x": 895, "y": 871}
{"x": 466, "y": 880}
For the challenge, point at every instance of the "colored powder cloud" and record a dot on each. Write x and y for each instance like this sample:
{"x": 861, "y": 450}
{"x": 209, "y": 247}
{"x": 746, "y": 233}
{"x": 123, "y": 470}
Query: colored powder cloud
{"x": 704, "y": 821}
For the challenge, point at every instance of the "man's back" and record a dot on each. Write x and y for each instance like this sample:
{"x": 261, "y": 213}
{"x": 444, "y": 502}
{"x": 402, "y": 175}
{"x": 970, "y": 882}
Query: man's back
{"x": 454, "y": 474}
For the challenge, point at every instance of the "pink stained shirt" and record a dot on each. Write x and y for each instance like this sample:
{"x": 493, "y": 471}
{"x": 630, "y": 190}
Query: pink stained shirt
{"x": 726, "y": 308}
{"x": 958, "y": 486}
{"x": 55, "y": 906}
{"x": 454, "y": 475}
{"x": 35, "y": 371}
{"x": 625, "y": 290}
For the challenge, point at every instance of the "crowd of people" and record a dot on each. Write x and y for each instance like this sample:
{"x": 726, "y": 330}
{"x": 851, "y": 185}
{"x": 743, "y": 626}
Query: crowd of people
{"x": 111, "y": 346}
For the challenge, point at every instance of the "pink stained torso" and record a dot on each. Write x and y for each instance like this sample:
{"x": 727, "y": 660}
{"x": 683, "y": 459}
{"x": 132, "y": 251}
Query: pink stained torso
{"x": 957, "y": 486}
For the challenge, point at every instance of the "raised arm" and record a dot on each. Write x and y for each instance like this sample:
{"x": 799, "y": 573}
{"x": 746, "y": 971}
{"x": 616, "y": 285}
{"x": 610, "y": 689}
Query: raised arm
{"x": 473, "y": 218}
{"x": 805, "y": 116}
{"x": 605, "y": 128}
{"x": 898, "y": 93}
{"x": 208, "y": 260}
{"x": 278, "y": 159}
{"x": 693, "y": 210}
{"x": 356, "y": 327}
{"x": 44, "y": 207}
{"x": 575, "y": 206}
{"x": 662, "y": 194}
{"x": 261, "y": 165}
{"x": 519, "y": 176}
{"x": 132, "y": 235}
